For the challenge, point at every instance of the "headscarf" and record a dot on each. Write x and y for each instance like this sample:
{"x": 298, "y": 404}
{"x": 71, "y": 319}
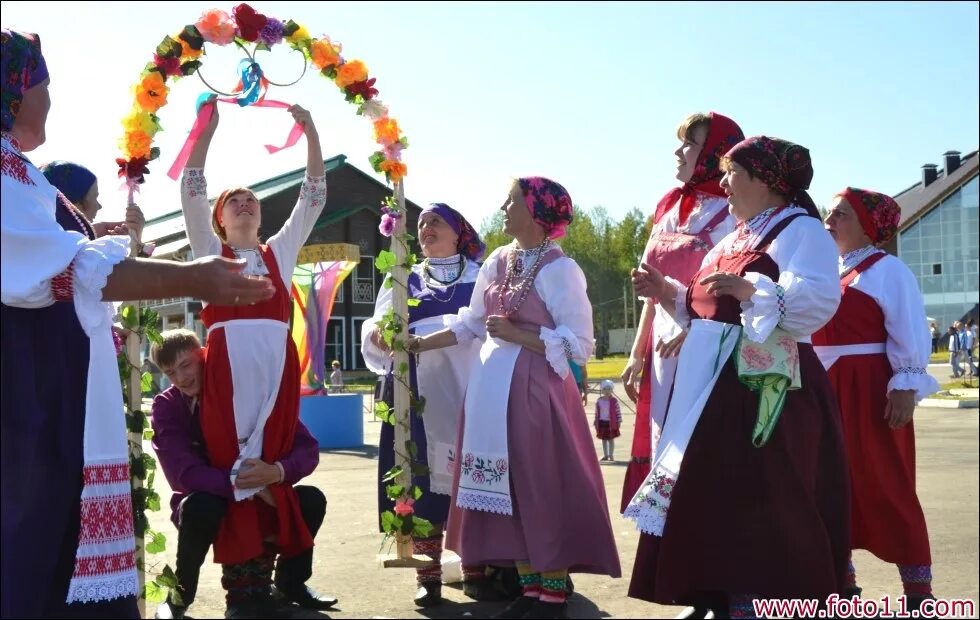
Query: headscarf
{"x": 23, "y": 68}
{"x": 73, "y": 180}
{"x": 723, "y": 134}
{"x": 783, "y": 166}
{"x": 549, "y": 204}
{"x": 469, "y": 243}
{"x": 879, "y": 214}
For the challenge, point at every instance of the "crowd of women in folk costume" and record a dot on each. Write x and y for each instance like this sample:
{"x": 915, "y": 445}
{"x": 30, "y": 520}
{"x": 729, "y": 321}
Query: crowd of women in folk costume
{"x": 776, "y": 368}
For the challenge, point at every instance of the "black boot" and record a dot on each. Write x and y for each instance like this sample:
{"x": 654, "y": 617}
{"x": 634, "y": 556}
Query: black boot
{"x": 517, "y": 609}
{"x": 546, "y": 611}
{"x": 429, "y": 594}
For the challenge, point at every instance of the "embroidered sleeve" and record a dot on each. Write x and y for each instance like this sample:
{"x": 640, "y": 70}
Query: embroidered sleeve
{"x": 63, "y": 284}
{"x": 197, "y": 214}
{"x": 294, "y": 233}
{"x": 561, "y": 345}
{"x": 562, "y": 286}
{"x": 807, "y": 292}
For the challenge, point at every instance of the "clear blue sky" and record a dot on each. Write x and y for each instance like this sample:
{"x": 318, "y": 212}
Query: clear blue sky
{"x": 589, "y": 94}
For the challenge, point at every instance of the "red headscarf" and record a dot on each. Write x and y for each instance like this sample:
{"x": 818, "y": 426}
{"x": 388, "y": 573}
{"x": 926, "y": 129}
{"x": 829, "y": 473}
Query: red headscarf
{"x": 723, "y": 134}
{"x": 879, "y": 214}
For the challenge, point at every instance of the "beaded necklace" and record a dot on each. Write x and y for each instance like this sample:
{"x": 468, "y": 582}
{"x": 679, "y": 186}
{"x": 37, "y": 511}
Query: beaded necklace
{"x": 522, "y": 290}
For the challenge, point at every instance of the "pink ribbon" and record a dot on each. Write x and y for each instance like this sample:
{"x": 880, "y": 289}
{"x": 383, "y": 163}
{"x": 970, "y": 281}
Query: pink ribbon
{"x": 204, "y": 117}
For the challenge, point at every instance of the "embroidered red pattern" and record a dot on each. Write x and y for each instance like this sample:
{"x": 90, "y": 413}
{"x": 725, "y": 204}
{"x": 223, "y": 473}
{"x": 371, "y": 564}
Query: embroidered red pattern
{"x": 15, "y": 168}
{"x": 106, "y": 519}
{"x": 104, "y": 564}
{"x": 63, "y": 284}
{"x": 106, "y": 474}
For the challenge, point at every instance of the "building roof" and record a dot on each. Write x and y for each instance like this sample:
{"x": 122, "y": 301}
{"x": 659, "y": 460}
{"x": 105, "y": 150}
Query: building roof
{"x": 917, "y": 200}
{"x": 169, "y": 233}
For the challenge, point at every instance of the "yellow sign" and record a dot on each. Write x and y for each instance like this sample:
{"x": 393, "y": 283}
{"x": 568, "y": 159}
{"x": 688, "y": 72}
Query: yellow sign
{"x": 329, "y": 252}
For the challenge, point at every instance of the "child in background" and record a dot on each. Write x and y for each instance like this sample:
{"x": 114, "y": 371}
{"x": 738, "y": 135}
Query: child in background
{"x": 336, "y": 378}
{"x": 608, "y": 419}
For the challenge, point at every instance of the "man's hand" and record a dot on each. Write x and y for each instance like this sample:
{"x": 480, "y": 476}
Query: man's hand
{"x": 256, "y": 473}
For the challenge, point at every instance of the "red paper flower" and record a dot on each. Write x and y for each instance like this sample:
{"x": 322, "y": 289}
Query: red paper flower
{"x": 167, "y": 66}
{"x": 364, "y": 89}
{"x": 250, "y": 23}
{"x": 133, "y": 169}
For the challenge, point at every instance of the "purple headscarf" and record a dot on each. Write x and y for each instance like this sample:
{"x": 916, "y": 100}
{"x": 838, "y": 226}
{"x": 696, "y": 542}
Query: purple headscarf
{"x": 72, "y": 180}
{"x": 549, "y": 204}
{"x": 469, "y": 243}
{"x": 23, "y": 68}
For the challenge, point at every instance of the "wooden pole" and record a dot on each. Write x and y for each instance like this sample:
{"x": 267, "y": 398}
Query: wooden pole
{"x": 404, "y": 556}
{"x": 135, "y": 405}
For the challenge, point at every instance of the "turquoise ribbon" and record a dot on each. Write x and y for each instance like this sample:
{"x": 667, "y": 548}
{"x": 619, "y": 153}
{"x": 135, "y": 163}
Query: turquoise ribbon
{"x": 251, "y": 74}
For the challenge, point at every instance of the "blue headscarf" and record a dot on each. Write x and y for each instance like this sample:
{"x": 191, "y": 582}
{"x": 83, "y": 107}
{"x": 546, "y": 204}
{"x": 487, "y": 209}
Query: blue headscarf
{"x": 23, "y": 68}
{"x": 72, "y": 180}
{"x": 469, "y": 243}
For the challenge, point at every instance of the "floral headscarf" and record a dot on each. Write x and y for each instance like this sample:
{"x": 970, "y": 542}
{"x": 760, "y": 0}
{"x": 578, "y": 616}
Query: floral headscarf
{"x": 879, "y": 214}
{"x": 23, "y": 68}
{"x": 72, "y": 180}
{"x": 469, "y": 243}
{"x": 783, "y": 166}
{"x": 549, "y": 204}
{"x": 723, "y": 134}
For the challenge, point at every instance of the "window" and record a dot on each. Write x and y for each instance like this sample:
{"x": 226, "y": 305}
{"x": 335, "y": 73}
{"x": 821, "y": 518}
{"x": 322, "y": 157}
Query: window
{"x": 937, "y": 269}
{"x": 335, "y": 348}
{"x": 358, "y": 323}
{"x": 363, "y": 284}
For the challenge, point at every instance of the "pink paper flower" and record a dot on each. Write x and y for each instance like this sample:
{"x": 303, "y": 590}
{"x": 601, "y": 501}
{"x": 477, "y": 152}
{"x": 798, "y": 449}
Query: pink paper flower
{"x": 387, "y": 226}
{"x": 216, "y": 27}
{"x": 403, "y": 507}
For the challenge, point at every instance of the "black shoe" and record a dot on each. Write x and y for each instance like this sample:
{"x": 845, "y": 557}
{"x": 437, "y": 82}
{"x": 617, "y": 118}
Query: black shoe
{"x": 915, "y": 601}
{"x": 483, "y": 589}
{"x": 259, "y": 608}
{"x": 167, "y": 611}
{"x": 304, "y": 596}
{"x": 545, "y": 611}
{"x": 429, "y": 594}
{"x": 852, "y": 592}
{"x": 516, "y": 610}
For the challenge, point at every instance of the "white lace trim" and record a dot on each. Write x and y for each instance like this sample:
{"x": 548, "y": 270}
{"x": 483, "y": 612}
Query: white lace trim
{"x": 852, "y": 259}
{"x": 102, "y": 588}
{"x": 647, "y": 520}
{"x": 761, "y": 313}
{"x": 469, "y": 499}
{"x": 560, "y": 345}
{"x": 910, "y": 378}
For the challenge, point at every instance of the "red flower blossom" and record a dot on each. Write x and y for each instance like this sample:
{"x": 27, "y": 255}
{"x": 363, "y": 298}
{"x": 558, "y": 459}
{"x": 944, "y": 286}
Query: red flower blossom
{"x": 133, "y": 169}
{"x": 167, "y": 66}
{"x": 364, "y": 89}
{"x": 250, "y": 23}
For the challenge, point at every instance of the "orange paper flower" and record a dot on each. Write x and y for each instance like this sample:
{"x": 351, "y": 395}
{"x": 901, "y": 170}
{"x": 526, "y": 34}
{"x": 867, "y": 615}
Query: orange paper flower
{"x": 395, "y": 170}
{"x": 386, "y": 131}
{"x": 350, "y": 73}
{"x": 136, "y": 145}
{"x": 151, "y": 93}
{"x": 324, "y": 53}
{"x": 216, "y": 27}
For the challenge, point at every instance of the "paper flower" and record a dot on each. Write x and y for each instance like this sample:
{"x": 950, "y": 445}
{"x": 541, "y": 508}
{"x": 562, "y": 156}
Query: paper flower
{"x": 136, "y": 145}
{"x": 387, "y": 225}
{"x": 216, "y": 27}
{"x": 140, "y": 121}
{"x": 350, "y": 73}
{"x": 301, "y": 34}
{"x": 394, "y": 169}
{"x": 374, "y": 110}
{"x": 151, "y": 92}
{"x": 167, "y": 66}
{"x": 325, "y": 53}
{"x": 187, "y": 51}
{"x": 386, "y": 131}
{"x": 393, "y": 151}
{"x": 403, "y": 507}
{"x": 250, "y": 22}
{"x": 272, "y": 32}
{"x": 365, "y": 89}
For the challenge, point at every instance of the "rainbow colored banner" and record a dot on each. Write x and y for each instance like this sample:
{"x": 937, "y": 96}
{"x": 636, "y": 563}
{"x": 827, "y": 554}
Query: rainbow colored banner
{"x": 314, "y": 289}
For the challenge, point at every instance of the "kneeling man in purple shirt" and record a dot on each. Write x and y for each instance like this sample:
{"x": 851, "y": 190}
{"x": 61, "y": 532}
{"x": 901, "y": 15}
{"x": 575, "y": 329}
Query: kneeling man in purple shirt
{"x": 201, "y": 493}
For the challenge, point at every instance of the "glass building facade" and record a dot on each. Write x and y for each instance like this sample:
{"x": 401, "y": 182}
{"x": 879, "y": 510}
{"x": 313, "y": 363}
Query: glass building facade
{"x": 942, "y": 248}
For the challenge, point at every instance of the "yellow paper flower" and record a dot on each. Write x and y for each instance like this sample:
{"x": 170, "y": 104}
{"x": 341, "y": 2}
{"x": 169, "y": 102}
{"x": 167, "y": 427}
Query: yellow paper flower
{"x": 386, "y": 131}
{"x": 136, "y": 145}
{"x": 151, "y": 92}
{"x": 396, "y": 170}
{"x": 140, "y": 121}
{"x": 324, "y": 53}
{"x": 187, "y": 52}
{"x": 301, "y": 34}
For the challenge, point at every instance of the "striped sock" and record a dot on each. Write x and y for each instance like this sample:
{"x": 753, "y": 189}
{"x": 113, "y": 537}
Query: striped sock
{"x": 530, "y": 580}
{"x": 916, "y": 579}
{"x": 431, "y": 548}
{"x": 740, "y": 606}
{"x": 474, "y": 572}
{"x": 553, "y": 586}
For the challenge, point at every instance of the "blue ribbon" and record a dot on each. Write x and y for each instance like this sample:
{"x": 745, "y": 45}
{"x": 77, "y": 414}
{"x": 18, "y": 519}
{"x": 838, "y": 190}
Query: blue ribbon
{"x": 251, "y": 74}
